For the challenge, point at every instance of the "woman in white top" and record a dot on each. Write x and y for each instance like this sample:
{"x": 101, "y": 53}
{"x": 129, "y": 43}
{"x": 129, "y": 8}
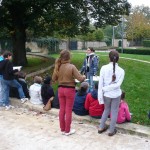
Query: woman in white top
{"x": 35, "y": 91}
{"x": 109, "y": 91}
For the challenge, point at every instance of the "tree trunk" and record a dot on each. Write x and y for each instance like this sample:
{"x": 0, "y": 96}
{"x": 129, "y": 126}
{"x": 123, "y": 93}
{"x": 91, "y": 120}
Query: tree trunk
{"x": 19, "y": 51}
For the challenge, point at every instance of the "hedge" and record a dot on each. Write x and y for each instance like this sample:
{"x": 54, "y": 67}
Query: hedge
{"x": 146, "y": 43}
{"x": 140, "y": 51}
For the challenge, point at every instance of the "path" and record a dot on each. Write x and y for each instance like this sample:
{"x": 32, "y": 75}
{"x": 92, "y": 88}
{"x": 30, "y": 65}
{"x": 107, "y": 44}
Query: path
{"x": 21, "y": 129}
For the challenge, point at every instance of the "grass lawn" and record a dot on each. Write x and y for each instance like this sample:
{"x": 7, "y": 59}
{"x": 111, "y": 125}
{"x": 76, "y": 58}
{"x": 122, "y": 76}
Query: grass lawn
{"x": 136, "y": 83}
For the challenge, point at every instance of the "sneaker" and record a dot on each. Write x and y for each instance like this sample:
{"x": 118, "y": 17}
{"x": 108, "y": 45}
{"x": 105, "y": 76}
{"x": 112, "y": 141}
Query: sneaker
{"x": 72, "y": 131}
{"x": 63, "y": 132}
{"x": 23, "y": 100}
{"x": 9, "y": 107}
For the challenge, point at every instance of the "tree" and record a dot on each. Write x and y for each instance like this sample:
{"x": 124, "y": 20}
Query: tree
{"x": 138, "y": 26}
{"x": 99, "y": 35}
{"x": 44, "y": 17}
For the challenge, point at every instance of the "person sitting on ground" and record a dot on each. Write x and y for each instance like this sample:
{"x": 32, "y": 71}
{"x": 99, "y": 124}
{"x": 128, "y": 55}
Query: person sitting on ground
{"x": 47, "y": 93}
{"x": 35, "y": 91}
{"x": 123, "y": 113}
{"x": 20, "y": 76}
{"x": 79, "y": 102}
{"x": 55, "y": 102}
{"x": 92, "y": 105}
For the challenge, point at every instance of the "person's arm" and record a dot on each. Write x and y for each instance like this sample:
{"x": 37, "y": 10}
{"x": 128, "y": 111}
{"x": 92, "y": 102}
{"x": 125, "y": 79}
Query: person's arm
{"x": 114, "y": 85}
{"x": 77, "y": 74}
{"x": 82, "y": 70}
{"x": 100, "y": 86}
{"x": 95, "y": 63}
{"x": 54, "y": 77}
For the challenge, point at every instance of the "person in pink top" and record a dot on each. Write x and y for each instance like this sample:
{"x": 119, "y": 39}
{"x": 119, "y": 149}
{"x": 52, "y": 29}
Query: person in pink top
{"x": 123, "y": 113}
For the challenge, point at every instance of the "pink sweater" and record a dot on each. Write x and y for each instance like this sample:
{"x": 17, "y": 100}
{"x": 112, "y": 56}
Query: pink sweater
{"x": 123, "y": 113}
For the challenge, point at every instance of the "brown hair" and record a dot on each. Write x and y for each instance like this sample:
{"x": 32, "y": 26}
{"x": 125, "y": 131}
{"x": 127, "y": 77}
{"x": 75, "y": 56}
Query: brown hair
{"x": 38, "y": 79}
{"x": 114, "y": 57}
{"x": 91, "y": 48}
{"x": 64, "y": 57}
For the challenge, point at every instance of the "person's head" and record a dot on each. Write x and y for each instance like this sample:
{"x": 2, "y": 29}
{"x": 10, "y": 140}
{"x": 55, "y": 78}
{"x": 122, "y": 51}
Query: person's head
{"x": 7, "y": 55}
{"x": 90, "y": 50}
{"x": 38, "y": 79}
{"x": 83, "y": 88}
{"x": 114, "y": 57}
{"x": 65, "y": 56}
{"x": 123, "y": 95}
{"x": 47, "y": 80}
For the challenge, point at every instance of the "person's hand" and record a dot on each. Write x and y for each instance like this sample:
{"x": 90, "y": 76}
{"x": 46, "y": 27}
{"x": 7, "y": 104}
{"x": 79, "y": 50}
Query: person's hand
{"x": 84, "y": 76}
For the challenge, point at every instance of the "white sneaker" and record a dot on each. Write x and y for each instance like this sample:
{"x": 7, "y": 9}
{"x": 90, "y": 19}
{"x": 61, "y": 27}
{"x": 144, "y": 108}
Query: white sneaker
{"x": 63, "y": 132}
{"x": 72, "y": 131}
{"x": 23, "y": 100}
{"x": 9, "y": 107}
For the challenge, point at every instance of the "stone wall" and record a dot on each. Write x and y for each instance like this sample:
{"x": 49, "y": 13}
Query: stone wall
{"x": 64, "y": 45}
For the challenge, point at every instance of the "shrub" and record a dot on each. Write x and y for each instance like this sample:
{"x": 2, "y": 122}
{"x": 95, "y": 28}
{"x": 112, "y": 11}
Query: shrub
{"x": 140, "y": 51}
{"x": 146, "y": 43}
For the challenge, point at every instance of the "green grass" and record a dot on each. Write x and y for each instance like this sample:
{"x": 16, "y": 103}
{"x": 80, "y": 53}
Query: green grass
{"x": 136, "y": 83}
{"x": 35, "y": 64}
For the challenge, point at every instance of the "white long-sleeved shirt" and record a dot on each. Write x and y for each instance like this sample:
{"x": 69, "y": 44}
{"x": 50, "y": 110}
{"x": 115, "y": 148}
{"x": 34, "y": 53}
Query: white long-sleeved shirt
{"x": 106, "y": 86}
{"x": 35, "y": 94}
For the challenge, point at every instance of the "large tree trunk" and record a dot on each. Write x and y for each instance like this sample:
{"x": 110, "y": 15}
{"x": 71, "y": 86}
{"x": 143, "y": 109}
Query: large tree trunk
{"x": 19, "y": 51}
{"x": 18, "y": 35}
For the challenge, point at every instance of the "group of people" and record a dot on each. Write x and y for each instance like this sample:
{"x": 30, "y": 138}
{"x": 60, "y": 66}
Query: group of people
{"x": 105, "y": 98}
{"x": 13, "y": 84}
{"x": 100, "y": 99}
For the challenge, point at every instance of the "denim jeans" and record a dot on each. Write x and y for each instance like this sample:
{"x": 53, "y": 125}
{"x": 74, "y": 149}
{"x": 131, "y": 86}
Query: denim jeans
{"x": 2, "y": 89}
{"x": 12, "y": 83}
{"x": 90, "y": 81}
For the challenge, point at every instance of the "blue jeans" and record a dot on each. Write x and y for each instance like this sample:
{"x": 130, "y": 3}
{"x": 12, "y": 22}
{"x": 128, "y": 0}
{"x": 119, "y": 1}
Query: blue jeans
{"x": 12, "y": 83}
{"x": 90, "y": 81}
{"x": 2, "y": 89}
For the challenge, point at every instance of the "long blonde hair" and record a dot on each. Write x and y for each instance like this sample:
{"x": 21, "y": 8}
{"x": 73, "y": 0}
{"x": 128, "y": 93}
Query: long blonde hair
{"x": 63, "y": 58}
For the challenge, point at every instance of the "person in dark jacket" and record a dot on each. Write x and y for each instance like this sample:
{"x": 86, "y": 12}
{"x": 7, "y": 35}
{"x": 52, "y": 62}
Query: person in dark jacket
{"x": 47, "y": 93}
{"x": 55, "y": 102}
{"x": 80, "y": 97}
{"x": 2, "y": 85}
{"x": 9, "y": 79}
{"x": 92, "y": 105}
{"x": 20, "y": 77}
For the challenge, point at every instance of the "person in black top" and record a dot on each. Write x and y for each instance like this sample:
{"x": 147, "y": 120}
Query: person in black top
{"x": 47, "y": 93}
{"x": 9, "y": 79}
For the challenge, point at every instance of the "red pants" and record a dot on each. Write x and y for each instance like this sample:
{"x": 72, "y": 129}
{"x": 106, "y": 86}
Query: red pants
{"x": 66, "y": 100}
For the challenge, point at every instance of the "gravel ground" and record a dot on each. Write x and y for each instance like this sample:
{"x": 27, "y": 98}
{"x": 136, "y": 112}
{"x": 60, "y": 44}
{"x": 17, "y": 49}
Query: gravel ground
{"x": 23, "y": 129}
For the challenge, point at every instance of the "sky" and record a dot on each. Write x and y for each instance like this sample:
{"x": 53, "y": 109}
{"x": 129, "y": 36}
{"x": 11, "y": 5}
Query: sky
{"x": 139, "y": 2}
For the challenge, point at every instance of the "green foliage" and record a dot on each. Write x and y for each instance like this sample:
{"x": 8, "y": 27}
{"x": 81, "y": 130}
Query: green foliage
{"x": 45, "y": 17}
{"x": 42, "y": 18}
{"x": 6, "y": 44}
{"x": 51, "y": 44}
{"x": 140, "y": 51}
{"x": 99, "y": 35}
{"x": 146, "y": 43}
